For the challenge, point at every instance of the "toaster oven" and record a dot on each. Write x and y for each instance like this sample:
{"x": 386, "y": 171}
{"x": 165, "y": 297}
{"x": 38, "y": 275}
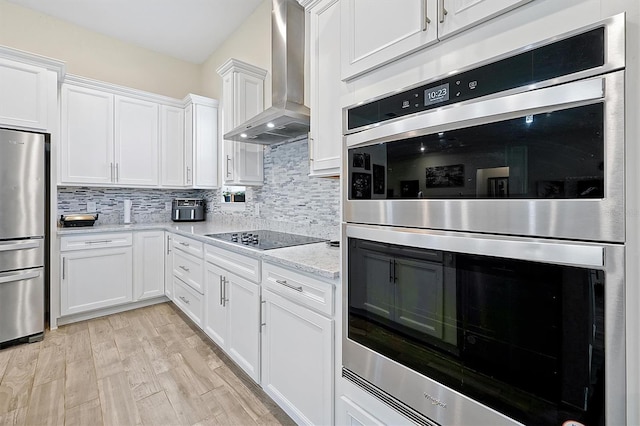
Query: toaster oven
{"x": 188, "y": 210}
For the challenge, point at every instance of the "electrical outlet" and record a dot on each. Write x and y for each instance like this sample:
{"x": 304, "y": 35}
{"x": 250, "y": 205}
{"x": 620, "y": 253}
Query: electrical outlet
{"x": 92, "y": 206}
{"x": 167, "y": 206}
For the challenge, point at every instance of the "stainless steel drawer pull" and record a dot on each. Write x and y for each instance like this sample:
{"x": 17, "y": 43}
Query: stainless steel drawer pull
{"x": 221, "y": 295}
{"x": 19, "y": 245}
{"x": 99, "y": 242}
{"x": 185, "y": 300}
{"x": 426, "y": 21}
{"x": 18, "y": 276}
{"x": 184, "y": 244}
{"x": 286, "y": 284}
{"x": 184, "y": 268}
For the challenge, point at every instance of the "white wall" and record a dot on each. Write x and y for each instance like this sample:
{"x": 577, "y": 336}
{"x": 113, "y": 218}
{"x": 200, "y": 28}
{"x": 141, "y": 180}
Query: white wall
{"x": 96, "y": 56}
{"x": 250, "y": 43}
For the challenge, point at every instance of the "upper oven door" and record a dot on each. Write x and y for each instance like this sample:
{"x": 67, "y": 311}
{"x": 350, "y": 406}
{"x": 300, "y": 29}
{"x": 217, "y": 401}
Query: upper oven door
{"x": 546, "y": 162}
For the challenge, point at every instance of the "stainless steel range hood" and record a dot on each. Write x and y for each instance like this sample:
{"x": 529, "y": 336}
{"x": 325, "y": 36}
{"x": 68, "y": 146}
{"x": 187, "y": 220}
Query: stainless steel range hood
{"x": 288, "y": 117}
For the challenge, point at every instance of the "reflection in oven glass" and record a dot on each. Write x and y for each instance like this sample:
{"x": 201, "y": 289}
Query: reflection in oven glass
{"x": 524, "y": 338}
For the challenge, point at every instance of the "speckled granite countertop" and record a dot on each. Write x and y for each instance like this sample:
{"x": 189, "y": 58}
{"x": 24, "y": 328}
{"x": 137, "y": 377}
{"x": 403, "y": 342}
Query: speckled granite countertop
{"x": 318, "y": 259}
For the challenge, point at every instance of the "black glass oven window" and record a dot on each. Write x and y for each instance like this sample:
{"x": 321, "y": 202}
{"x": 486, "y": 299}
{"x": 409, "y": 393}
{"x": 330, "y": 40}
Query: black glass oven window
{"x": 557, "y": 154}
{"x": 524, "y": 338}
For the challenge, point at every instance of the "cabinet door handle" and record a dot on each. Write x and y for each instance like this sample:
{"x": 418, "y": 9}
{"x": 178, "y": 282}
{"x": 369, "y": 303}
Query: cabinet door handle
{"x": 262, "y": 321}
{"x": 221, "y": 296}
{"x": 184, "y": 244}
{"x": 310, "y": 143}
{"x": 64, "y": 264}
{"x": 224, "y": 291}
{"x": 286, "y": 284}
{"x": 426, "y": 21}
{"x": 168, "y": 244}
{"x": 117, "y": 173}
{"x": 185, "y": 300}
{"x": 228, "y": 169}
{"x": 111, "y": 171}
{"x": 442, "y": 12}
{"x": 184, "y": 268}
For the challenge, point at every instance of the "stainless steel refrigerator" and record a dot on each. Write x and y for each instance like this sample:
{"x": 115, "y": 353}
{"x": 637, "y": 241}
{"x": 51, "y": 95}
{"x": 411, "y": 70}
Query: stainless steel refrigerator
{"x": 23, "y": 179}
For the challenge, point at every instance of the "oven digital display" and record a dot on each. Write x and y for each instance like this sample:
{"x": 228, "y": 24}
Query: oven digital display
{"x": 437, "y": 94}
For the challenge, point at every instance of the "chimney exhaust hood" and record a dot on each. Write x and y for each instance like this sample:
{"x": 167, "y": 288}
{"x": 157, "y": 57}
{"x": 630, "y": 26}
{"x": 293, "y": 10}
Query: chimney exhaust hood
{"x": 288, "y": 117}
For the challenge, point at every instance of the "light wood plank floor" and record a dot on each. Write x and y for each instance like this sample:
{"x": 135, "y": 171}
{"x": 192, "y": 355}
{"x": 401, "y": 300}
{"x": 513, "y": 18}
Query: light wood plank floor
{"x": 149, "y": 366}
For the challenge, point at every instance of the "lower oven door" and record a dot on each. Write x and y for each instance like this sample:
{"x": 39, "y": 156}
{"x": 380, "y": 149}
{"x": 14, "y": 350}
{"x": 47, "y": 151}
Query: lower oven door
{"x": 469, "y": 329}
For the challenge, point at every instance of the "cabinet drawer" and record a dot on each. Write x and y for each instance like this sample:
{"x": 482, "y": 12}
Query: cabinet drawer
{"x": 189, "y": 269}
{"x": 301, "y": 289}
{"x": 188, "y": 245}
{"x": 188, "y": 300}
{"x": 244, "y": 266}
{"x": 94, "y": 241}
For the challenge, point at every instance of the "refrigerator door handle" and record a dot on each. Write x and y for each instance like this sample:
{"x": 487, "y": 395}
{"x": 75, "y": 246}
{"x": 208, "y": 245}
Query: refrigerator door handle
{"x": 18, "y": 276}
{"x": 19, "y": 245}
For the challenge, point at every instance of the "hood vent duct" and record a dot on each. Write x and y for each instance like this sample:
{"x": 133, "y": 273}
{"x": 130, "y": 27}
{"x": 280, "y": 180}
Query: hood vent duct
{"x": 288, "y": 117}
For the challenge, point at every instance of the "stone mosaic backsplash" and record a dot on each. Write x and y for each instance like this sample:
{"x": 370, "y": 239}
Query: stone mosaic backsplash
{"x": 289, "y": 201}
{"x": 148, "y": 205}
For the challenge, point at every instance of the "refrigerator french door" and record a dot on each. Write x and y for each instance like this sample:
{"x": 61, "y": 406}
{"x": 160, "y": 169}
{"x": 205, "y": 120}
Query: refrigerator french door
{"x": 22, "y": 235}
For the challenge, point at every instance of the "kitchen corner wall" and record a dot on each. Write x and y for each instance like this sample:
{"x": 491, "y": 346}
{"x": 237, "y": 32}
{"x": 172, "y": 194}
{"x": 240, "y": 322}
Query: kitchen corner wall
{"x": 289, "y": 201}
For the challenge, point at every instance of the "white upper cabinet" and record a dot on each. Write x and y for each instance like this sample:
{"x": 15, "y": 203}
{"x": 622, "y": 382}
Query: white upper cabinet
{"x": 136, "y": 142}
{"x": 87, "y": 136}
{"x": 325, "y": 137}
{"x": 243, "y": 98}
{"x": 375, "y": 32}
{"x": 201, "y": 142}
{"x": 458, "y": 15}
{"x": 23, "y": 95}
{"x": 108, "y": 139}
{"x": 172, "y": 153}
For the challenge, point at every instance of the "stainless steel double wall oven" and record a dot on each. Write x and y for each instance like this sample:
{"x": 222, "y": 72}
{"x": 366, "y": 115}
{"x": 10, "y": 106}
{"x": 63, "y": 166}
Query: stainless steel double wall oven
{"x": 484, "y": 239}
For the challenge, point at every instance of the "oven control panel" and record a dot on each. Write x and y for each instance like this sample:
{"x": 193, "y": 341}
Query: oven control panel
{"x": 574, "y": 54}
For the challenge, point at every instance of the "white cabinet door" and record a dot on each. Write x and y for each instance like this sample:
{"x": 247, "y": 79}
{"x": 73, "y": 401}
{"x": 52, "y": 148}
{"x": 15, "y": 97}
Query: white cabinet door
{"x": 232, "y": 317}
{"x": 136, "y": 142}
{"x": 243, "y": 338}
{"x": 23, "y": 95}
{"x": 93, "y": 279}
{"x": 243, "y": 96}
{"x": 86, "y": 149}
{"x": 173, "y": 170}
{"x": 325, "y": 138}
{"x": 375, "y": 32}
{"x": 201, "y": 134}
{"x": 168, "y": 265}
{"x": 349, "y": 413}
{"x": 297, "y": 360}
{"x": 148, "y": 252}
{"x": 215, "y": 315}
{"x": 458, "y": 15}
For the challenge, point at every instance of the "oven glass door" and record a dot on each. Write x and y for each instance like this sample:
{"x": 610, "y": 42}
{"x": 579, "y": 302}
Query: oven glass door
{"x": 549, "y": 162}
{"x": 524, "y": 337}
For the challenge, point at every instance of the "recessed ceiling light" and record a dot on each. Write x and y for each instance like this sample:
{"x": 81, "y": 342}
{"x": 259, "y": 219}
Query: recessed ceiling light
{"x": 243, "y": 135}
{"x": 271, "y": 125}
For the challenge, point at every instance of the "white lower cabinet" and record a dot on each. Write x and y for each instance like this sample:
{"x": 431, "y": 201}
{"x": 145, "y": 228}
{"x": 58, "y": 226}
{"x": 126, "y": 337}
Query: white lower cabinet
{"x": 232, "y": 317}
{"x": 188, "y": 300}
{"x": 148, "y": 269}
{"x": 349, "y": 413}
{"x": 96, "y": 272}
{"x": 297, "y": 344}
{"x": 297, "y": 359}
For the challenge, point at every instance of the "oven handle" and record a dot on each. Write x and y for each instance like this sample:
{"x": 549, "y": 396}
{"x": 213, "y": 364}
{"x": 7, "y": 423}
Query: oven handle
{"x": 476, "y": 112}
{"x": 572, "y": 254}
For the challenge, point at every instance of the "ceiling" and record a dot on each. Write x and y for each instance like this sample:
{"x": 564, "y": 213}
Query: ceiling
{"x": 185, "y": 29}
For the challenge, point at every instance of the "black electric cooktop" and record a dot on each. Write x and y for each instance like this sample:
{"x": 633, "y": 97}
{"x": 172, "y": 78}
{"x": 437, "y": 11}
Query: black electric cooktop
{"x": 265, "y": 240}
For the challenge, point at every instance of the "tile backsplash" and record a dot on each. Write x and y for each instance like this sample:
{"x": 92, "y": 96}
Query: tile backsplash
{"x": 289, "y": 200}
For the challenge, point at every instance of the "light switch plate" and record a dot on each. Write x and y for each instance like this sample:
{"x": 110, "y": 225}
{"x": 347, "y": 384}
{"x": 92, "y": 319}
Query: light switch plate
{"x": 92, "y": 206}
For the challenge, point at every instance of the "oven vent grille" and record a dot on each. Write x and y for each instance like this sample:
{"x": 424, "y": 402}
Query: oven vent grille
{"x": 387, "y": 399}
